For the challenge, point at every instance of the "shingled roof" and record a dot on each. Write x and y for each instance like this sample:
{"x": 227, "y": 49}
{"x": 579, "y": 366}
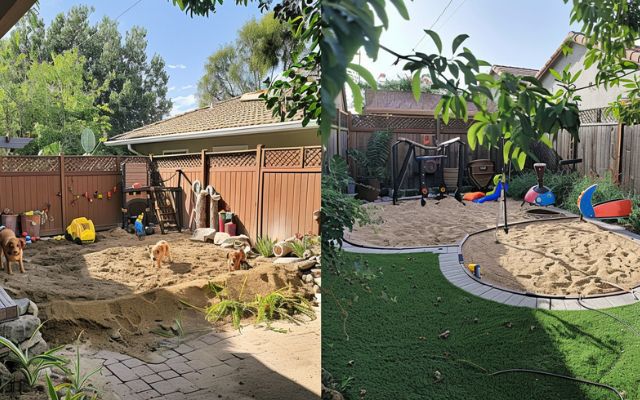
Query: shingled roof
{"x": 517, "y": 71}
{"x": 403, "y": 103}
{"x": 229, "y": 115}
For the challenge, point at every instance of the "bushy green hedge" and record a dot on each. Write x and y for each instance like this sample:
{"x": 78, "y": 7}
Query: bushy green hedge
{"x": 560, "y": 184}
{"x": 568, "y": 187}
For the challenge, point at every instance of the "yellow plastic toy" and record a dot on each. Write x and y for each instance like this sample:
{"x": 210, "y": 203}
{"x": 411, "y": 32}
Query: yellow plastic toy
{"x": 81, "y": 231}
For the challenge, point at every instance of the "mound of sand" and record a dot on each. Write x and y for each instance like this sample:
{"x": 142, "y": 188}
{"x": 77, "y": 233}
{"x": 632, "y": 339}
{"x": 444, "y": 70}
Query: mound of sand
{"x": 111, "y": 286}
{"x": 556, "y": 258}
{"x": 439, "y": 222}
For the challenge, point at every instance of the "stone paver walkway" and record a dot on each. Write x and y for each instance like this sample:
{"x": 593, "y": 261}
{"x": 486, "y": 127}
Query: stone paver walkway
{"x": 254, "y": 364}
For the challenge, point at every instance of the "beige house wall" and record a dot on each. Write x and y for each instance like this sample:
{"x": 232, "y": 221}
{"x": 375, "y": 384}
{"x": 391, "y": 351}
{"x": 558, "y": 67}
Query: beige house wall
{"x": 304, "y": 137}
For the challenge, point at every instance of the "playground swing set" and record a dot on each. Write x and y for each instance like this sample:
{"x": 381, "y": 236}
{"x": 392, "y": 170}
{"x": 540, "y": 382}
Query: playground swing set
{"x": 431, "y": 166}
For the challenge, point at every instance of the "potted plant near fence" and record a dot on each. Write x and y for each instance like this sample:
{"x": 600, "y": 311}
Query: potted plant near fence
{"x": 372, "y": 165}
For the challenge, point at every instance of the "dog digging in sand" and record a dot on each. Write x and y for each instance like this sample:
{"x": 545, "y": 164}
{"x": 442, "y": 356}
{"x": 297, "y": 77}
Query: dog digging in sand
{"x": 235, "y": 259}
{"x": 12, "y": 249}
{"x": 159, "y": 252}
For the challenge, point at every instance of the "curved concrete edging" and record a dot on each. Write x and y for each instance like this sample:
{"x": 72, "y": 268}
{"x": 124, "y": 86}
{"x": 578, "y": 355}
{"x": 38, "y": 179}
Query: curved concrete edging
{"x": 452, "y": 267}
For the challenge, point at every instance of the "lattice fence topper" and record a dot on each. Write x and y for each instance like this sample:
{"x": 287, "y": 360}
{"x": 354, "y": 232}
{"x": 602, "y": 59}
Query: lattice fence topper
{"x": 244, "y": 159}
{"x": 186, "y": 161}
{"x": 596, "y": 115}
{"x": 400, "y": 123}
{"x": 91, "y": 164}
{"x": 29, "y": 164}
{"x": 282, "y": 158}
{"x": 312, "y": 156}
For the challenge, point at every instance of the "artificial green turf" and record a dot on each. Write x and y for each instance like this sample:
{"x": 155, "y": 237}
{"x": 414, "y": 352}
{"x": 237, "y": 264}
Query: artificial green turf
{"x": 397, "y": 305}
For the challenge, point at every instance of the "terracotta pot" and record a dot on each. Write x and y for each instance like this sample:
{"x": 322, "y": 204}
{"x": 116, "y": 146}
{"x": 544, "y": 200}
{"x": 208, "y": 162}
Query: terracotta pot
{"x": 368, "y": 190}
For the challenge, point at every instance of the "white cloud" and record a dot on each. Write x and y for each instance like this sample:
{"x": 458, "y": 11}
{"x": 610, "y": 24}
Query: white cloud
{"x": 171, "y": 88}
{"x": 183, "y": 104}
{"x": 177, "y": 66}
{"x": 185, "y": 87}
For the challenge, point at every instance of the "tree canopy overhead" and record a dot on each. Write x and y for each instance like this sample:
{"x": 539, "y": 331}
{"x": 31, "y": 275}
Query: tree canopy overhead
{"x": 261, "y": 49}
{"x": 132, "y": 87}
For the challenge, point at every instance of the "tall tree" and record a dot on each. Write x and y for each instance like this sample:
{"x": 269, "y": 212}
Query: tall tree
{"x": 134, "y": 86}
{"x": 262, "y": 48}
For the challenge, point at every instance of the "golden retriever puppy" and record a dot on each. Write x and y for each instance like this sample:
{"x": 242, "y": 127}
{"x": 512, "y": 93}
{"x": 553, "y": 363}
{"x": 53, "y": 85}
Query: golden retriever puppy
{"x": 159, "y": 252}
{"x": 235, "y": 259}
{"x": 12, "y": 248}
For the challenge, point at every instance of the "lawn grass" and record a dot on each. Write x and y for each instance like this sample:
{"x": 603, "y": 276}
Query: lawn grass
{"x": 381, "y": 320}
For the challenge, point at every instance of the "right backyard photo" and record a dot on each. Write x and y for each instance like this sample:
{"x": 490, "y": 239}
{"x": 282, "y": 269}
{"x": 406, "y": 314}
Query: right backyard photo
{"x": 480, "y": 213}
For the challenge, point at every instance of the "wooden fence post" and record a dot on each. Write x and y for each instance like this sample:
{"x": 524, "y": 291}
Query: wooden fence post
{"x": 205, "y": 181}
{"x": 259, "y": 202}
{"x": 618, "y": 173}
{"x": 63, "y": 194}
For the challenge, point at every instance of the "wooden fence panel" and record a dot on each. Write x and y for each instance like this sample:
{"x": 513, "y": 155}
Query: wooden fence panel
{"x": 289, "y": 201}
{"x": 105, "y": 213}
{"x": 630, "y": 154}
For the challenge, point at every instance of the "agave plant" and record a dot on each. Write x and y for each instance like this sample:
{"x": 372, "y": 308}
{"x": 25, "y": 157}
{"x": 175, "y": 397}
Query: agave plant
{"x": 281, "y": 305}
{"x": 299, "y": 247}
{"x": 78, "y": 385}
{"x": 264, "y": 246}
{"x": 31, "y": 367}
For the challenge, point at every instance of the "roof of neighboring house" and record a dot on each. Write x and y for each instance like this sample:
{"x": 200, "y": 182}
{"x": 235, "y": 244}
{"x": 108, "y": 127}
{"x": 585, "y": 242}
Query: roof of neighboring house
{"x": 11, "y": 11}
{"x": 403, "y": 103}
{"x": 633, "y": 54}
{"x": 243, "y": 114}
{"x": 517, "y": 71}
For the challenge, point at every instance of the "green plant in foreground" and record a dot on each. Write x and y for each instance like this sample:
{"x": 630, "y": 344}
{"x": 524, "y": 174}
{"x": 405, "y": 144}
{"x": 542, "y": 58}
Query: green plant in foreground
{"x": 31, "y": 367}
{"x": 78, "y": 386}
{"x": 278, "y": 304}
{"x": 264, "y": 246}
{"x": 299, "y": 247}
{"x": 281, "y": 305}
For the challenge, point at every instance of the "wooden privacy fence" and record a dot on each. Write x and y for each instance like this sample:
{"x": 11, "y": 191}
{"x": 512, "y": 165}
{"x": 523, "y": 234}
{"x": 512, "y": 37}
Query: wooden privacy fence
{"x": 271, "y": 191}
{"x": 65, "y": 186}
{"x": 422, "y": 129}
{"x": 605, "y": 147}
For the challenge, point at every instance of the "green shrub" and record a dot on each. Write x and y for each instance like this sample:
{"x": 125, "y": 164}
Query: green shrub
{"x": 607, "y": 190}
{"x": 520, "y": 184}
{"x": 264, "y": 246}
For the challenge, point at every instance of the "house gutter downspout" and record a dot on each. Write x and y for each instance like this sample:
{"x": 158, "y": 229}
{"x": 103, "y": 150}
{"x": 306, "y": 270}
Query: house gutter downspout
{"x": 134, "y": 152}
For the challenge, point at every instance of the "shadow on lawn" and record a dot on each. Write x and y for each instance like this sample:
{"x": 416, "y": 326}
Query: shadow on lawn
{"x": 385, "y": 332}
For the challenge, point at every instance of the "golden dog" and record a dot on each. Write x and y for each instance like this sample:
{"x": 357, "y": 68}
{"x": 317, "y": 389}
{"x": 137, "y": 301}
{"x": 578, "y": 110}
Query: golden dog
{"x": 12, "y": 248}
{"x": 159, "y": 252}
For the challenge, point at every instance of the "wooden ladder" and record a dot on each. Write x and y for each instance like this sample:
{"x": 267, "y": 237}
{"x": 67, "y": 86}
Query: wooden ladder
{"x": 165, "y": 210}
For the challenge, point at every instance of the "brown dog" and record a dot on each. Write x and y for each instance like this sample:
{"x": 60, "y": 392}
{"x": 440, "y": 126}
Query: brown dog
{"x": 235, "y": 259}
{"x": 12, "y": 249}
{"x": 159, "y": 252}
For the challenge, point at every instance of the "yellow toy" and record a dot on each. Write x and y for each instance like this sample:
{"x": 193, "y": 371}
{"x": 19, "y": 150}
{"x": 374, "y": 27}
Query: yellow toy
{"x": 81, "y": 231}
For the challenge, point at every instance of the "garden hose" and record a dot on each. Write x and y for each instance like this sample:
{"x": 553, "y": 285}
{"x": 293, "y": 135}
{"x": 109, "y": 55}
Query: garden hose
{"x": 537, "y": 372}
{"x": 533, "y": 371}
{"x": 618, "y": 319}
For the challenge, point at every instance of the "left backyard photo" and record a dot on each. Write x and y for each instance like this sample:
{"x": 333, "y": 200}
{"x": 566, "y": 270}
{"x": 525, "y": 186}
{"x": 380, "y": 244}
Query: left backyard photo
{"x": 159, "y": 200}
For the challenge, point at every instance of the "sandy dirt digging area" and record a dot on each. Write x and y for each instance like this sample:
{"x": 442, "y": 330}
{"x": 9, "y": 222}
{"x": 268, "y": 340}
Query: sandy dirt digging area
{"x": 567, "y": 257}
{"x": 439, "y": 222}
{"x": 111, "y": 288}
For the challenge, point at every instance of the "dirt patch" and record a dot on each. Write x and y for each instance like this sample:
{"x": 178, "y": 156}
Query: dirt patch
{"x": 439, "y": 222}
{"x": 111, "y": 287}
{"x": 556, "y": 258}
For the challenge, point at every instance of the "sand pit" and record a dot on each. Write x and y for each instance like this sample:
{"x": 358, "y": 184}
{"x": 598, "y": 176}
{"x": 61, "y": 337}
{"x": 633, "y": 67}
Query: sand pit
{"x": 110, "y": 287}
{"x": 444, "y": 222}
{"x": 557, "y": 258}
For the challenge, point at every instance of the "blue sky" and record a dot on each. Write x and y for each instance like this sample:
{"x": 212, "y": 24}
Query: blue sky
{"x": 512, "y": 32}
{"x": 521, "y": 33}
{"x": 183, "y": 42}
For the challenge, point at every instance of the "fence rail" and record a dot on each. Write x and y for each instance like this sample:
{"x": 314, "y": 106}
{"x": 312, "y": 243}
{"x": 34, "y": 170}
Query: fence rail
{"x": 271, "y": 191}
